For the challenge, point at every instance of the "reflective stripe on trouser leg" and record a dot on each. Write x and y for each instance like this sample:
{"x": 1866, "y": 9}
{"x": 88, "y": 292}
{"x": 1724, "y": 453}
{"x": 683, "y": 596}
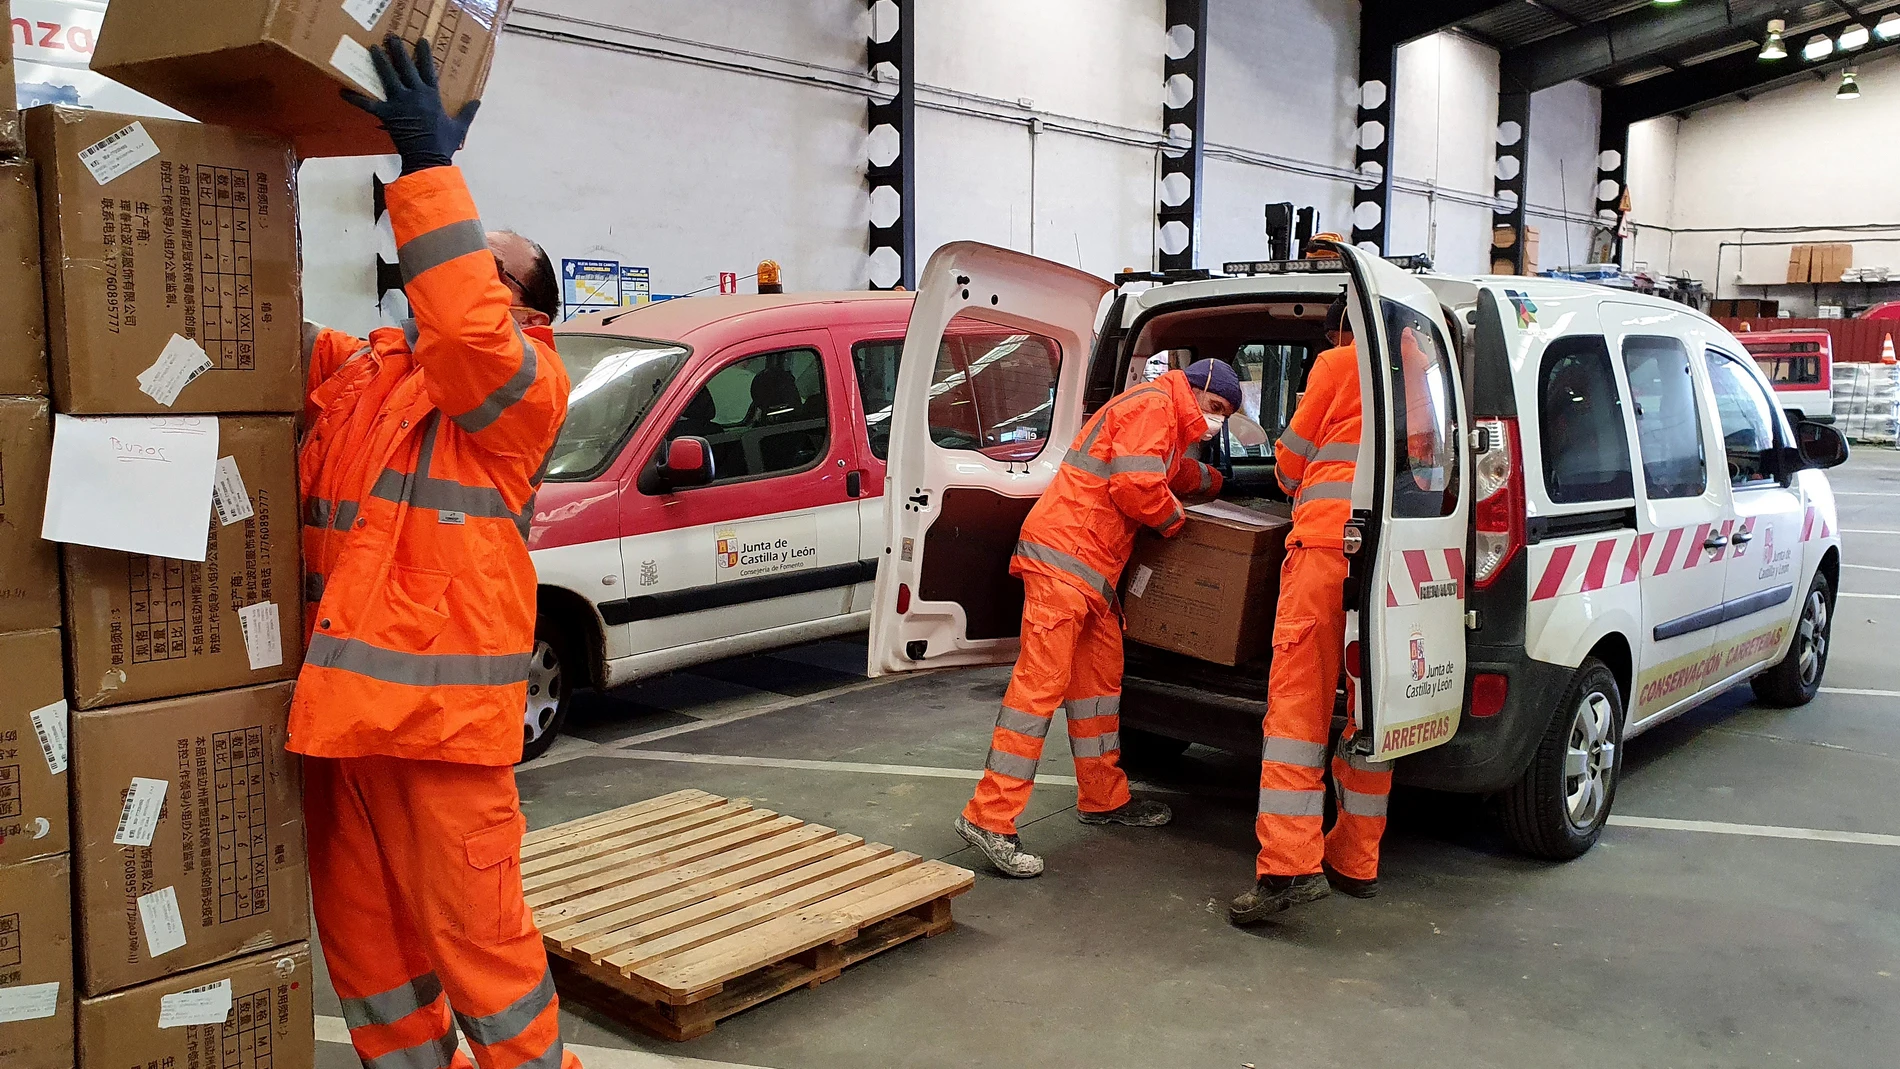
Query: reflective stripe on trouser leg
{"x": 1094, "y": 714}
{"x": 1052, "y": 618}
{"x": 1352, "y": 846}
{"x": 1308, "y": 638}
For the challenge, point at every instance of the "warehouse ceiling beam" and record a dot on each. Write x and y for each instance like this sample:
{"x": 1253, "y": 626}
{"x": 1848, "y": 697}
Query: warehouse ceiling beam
{"x": 1740, "y": 77}
{"x": 1399, "y": 21}
{"x": 891, "y": 177}
{"x": 1642, "y": 35}
{"x": 1184, "y": 124}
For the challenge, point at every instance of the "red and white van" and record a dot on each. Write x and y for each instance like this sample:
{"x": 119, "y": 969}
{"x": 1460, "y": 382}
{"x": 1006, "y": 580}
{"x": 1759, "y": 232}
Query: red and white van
{"x": 1800, "y": 366}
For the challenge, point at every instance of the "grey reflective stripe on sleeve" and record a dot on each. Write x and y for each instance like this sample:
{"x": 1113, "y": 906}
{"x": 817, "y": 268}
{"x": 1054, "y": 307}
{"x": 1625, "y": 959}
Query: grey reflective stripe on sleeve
{"x": 345, "y": 515}
{"x": 1089, "y": 708}
{"x": 1294, "y": 752}
{"x": 1082, "y": 461}
{"x": 1337, "y": 451}
{"x": 417, "y": 669}
{"x": 1012, "y": 765}
{"x": 312, "y": 587}
{"x": 1126, "y": 465}
{"x": 1324, "y": 492}
{"x": 437, "y": 247}
{"x": 411, "y": 333}
{"x": 511, "y": 1022}
{"x": 1361, "y": 805}
{"x": 437, "y": 1053}
{"x": 1297, "y": 445}
{"x": 484, "y": 415}
{"x": 317, "y": 512}
{"x": 1207, "y": 479}
{"x": 424, "y": 491}
{"x": 1036, "y": 727}
{"x": 1173, "y": 518}
{"x": 1096, "y": 745}
{"x": 394, "y": 1004}
{"x": 1293, "y": 803}
{"x": 1055, "y": 558}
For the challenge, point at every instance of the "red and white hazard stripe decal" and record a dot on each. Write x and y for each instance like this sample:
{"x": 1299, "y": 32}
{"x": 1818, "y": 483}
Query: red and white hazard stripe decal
{"x": 1581, "y": 567}
{"x": 1815, "y": 526}
{"x": 1429, "y": 573}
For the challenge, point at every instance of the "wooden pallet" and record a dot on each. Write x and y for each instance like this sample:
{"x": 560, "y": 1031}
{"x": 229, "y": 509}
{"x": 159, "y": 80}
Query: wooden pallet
{"x": 682, "y": 910}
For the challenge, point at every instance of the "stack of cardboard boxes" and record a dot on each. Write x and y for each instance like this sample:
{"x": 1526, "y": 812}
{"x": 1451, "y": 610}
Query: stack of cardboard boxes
{"x": 153, "y": 900}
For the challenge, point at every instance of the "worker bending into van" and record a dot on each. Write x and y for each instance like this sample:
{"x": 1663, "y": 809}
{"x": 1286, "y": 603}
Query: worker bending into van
{"x": 1128, "y": 469}
{"x": 1317, "y": 459}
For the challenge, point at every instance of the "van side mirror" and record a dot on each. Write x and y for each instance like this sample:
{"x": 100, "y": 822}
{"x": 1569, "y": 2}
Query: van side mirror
{"x": 1820, "y": 445}
{"x": 686, "y": 462}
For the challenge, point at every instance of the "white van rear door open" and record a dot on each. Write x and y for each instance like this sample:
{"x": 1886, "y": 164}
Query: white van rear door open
{"x": 989, "y": 396}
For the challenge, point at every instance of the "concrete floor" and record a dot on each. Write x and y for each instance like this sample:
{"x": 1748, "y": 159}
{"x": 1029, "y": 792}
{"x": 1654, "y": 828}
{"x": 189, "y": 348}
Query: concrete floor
{"x": 1709, "y": 946}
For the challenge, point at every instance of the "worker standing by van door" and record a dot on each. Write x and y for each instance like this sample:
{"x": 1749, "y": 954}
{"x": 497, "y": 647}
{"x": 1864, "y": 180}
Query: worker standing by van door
{"x": 1128, "y": 469}
{"x": 1317, "y": 460}
{"x": 418, "y": 468}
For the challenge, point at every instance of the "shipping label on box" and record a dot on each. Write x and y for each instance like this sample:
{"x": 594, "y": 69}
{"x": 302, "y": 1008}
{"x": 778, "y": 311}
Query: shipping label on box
{"x": 143, "y": 627}
{"x": 189, "y": 844}
{"x": 33, "y": 747}
{"x": 36, "y": 964}
{"x": 253, "y": 1013}
{"x": 274, "y": 66}
{"x": 171, "y": 265}
{"x": 22, "y": 306}
{"x": 29, "y": 566}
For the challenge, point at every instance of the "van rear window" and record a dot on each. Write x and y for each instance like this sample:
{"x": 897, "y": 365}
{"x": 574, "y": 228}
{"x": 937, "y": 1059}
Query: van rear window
{"x": 1580, "y": 417}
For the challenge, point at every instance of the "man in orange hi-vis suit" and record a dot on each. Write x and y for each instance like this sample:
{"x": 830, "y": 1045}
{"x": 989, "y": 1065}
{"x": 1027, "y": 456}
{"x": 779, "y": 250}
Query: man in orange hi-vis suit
{"x": 1317, "y": 460}
{"x": 421, "y": 454}
{"x": 1125, "y": 471}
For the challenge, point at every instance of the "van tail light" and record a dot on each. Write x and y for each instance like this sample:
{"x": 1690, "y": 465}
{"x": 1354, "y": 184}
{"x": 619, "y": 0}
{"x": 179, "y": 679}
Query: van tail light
{"x": 903, "y": 598}
{"x": 1352, "y": 659}
{"x": 1499, "y": 510}
{"x": 1488, "y": 693}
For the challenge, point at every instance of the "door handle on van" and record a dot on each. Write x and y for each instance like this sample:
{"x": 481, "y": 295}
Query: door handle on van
{"x": 854, "y": 484}
{"x": 1741, "y": 538}
{"x": 1714, "y": 541}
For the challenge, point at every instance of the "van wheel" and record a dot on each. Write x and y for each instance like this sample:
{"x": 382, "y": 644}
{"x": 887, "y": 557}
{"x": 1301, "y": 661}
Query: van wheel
{"x": 1558, "y": 809}
{"x": 551, "y": 676}
{"x": 1797, "y": 679}
{"x": 1145, "y": 749}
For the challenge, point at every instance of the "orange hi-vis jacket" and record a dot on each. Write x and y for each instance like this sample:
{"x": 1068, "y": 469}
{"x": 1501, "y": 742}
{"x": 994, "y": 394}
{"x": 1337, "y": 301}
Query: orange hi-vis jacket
{"x": 1124, "y": 471}
{"x": 1318, "y": 455}
{"x": 418, "y": 467}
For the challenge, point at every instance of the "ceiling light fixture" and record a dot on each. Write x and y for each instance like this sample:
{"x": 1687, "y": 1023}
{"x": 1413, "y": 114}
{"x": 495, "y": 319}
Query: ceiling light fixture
{"x": 1850, "y": 88}
{"x": 1854, "y": 38}
{"x": 1888, "y": 27}
{"x": 1818, "y": 48}
{"x": 1774, "y": 47}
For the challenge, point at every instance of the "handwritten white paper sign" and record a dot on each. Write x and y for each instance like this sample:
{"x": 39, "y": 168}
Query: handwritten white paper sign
{"x": 141, "y": 484}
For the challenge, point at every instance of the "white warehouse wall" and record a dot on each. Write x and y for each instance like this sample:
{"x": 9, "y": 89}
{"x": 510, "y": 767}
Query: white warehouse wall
{"x": 1561, "y": 175}
{"x": 1445, "y": 136}
{"x": 1652, "y": 187}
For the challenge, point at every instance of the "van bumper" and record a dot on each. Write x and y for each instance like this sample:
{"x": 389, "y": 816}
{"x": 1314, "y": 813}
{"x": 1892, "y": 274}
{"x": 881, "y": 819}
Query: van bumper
{"x": 1490, "y": 753}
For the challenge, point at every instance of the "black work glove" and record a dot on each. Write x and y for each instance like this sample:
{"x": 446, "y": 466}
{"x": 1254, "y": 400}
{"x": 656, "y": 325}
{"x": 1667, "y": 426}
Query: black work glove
{"x": 413, "y": 114}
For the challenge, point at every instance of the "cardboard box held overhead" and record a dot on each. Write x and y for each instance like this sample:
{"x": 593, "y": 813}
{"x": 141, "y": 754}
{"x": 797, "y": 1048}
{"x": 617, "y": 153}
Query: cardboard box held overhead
{"x": 274, "y": 66}
{"x": 36, "y": 964}
{"x": 142, "y": 627}
{"x": 188, "y": 843}
{"x": 22, "y": 306}
{"x": 170, "y": 263}
{"x": 255, "y": 1013}
{"x": 29, "y": 565}
{"x": 1211, "y": 591}
{"x": 33, "y": 748}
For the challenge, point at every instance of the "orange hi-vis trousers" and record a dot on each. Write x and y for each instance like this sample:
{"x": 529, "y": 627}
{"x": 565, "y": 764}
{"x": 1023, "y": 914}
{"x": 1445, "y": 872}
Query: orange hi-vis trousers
{"x": 1308, "y": 640}
{"x": 416, "y": 873}
{"x": 1071, "y": 659}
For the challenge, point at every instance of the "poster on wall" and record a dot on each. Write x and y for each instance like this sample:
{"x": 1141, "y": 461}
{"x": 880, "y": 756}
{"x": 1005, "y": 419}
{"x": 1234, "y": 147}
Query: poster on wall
{"x": 52, "y": 44}
{"x": 636, "y": 285}
{"x": 590, "y": 285}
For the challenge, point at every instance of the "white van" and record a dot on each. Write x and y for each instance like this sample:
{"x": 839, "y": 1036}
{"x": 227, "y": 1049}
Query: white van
{"x": 1579, "y": 513}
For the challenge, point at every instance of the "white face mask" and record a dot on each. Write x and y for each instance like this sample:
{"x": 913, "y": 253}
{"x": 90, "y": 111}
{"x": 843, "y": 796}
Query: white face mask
{"x": 1214, "y": 425}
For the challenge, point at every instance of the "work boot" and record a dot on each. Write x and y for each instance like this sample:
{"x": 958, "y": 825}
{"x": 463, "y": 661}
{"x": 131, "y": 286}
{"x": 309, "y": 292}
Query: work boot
{"x": 1135, "y": 814}
{"x": 1275, "y": 893}
{"x": 1003, "y": 851}
{"x": 1346, "y": 885}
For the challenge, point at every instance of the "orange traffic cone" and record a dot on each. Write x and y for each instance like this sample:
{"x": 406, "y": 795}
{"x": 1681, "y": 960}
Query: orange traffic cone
{"x": 1886, "y": 352}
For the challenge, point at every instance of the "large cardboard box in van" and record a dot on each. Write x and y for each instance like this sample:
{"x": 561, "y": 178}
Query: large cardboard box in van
{"x": 33, "y": 747}
{"x": 29, "y": 565}
{"x": 170, "y": 262}
{"x": 142, "y": 627}
{"x": 254, "y": 1013}
{"x": 188, "y": 843}
{"x": 1211, "y": 591}
{"x": 9, "y": 116}
{"x": 36, "y": 964}
{"x": 22, "y": 306}
{"x": 275, "y": 66}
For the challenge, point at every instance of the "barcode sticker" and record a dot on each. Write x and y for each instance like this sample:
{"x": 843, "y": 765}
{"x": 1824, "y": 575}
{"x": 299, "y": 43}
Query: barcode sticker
{"x": 49, "y": 723}
{"x": 209, "y": 1004}
{"x": 164, "y": 927}
{"x": 119, "y": 153}
{"x": 367, "y": 13}
{"x": 229, "y": 495}
{"x": 352, "y": 61}
{"x": 263, "y": 634}
{"x": 179, "y": 363}
{"x": 138, "y": 821}
{"x": 1139, "y": 583}
{"x": 29, "y": 1002}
